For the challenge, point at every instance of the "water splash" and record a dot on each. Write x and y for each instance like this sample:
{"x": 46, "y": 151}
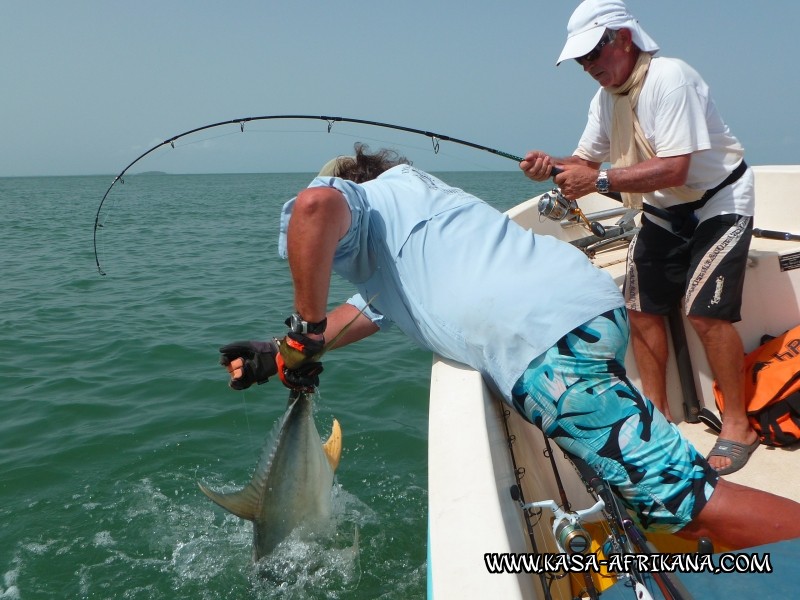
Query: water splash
{"x": 10, "y": 591}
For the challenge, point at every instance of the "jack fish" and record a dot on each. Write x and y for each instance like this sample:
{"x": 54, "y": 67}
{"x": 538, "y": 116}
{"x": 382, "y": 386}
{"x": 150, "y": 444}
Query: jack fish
{"x": 292, "y": 481}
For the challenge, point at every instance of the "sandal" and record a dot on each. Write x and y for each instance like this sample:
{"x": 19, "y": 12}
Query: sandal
{"x": 738, "y": 453}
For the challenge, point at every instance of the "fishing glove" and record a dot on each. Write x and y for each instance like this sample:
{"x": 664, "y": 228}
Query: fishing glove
{"x": 259, "y": 362}
{"x": 297, "y": 362}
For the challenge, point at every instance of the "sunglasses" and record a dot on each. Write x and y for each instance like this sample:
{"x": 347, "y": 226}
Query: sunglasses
{"x": 594, "y": 53}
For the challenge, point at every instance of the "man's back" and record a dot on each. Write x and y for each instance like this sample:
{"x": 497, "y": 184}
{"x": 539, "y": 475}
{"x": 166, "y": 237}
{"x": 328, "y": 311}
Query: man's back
{"x": 461, "y": 279}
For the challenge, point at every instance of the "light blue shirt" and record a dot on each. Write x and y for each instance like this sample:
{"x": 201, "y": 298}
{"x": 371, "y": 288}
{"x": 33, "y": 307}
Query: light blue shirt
{"x": 459, "y": 277}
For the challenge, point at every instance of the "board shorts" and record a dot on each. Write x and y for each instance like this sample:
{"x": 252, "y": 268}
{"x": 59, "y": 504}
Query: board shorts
{"x": 577, "y": 393}
{"x": 707, "y": 270}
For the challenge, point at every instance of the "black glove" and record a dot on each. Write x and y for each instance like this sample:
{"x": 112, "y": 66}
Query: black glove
{"x": 259, "y": 362}
{"x": 304, "y": 378}
{"x": 297, "y": 359}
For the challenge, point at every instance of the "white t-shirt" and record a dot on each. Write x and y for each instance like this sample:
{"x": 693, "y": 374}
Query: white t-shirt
{"x": 678, "y": 116}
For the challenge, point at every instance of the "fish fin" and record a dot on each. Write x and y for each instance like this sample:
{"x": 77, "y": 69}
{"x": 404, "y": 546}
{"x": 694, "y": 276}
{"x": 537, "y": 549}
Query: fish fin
{"x": 333, "y": 447}
{"x": 244, "y": 503}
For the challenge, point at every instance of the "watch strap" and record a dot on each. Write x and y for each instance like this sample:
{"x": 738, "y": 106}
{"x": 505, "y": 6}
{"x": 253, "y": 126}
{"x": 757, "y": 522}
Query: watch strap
{"x": 296, "y": 324}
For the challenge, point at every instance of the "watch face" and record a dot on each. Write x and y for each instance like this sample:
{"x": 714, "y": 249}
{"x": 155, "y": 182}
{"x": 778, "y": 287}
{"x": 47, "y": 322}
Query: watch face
{"x": 602, "y": 182}
{"x": 296, "y": 324}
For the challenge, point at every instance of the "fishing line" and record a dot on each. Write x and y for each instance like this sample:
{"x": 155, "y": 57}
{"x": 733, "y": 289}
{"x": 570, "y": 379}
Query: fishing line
{"x": 359, "y": 137}
{"x": 247, "y": 420}
{"x": 436, "y": 139}
{"x": 435, "y": 148}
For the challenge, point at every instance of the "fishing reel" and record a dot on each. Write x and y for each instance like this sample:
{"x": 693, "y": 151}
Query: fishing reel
{"x": 570, "y": 535}
{"x": 556, "y": 207}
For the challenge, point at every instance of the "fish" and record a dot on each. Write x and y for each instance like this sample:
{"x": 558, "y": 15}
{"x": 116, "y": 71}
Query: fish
{"x": 292, "y": 481}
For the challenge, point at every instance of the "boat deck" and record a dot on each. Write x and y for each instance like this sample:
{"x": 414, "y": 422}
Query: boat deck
{"x": 764, "y": 469}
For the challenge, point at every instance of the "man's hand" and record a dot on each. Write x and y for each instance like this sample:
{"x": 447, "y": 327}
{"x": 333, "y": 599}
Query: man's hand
{"x": 298, "y": 361}
{"x": 576, "y": 181}
{"x": 249, "y": 362}
{"x": 537, "y": 165}
{"x": 305, "y": 377}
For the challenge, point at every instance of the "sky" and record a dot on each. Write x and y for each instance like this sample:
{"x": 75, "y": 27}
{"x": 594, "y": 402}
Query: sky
{"x": 89, "y": 85}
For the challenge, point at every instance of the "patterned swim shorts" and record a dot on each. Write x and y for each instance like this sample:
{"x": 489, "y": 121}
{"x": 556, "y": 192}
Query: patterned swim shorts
{"x": 577, "y": 393}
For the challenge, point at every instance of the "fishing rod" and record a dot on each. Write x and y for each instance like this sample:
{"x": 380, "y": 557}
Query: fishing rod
{"x": 517, "y": 496}
{"x": 435, "y": 139}
{"x": 570, "y": 533}
{"x": 776, "y": 235}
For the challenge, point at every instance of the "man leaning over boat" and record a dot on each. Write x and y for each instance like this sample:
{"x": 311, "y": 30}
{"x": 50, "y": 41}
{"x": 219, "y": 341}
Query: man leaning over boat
{"x": 546, "y": 329}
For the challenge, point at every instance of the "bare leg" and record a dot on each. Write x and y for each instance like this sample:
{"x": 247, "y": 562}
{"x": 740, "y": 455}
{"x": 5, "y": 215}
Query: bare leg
{"x": 739, "y": 517}
{"x": 725, "y": 356}
{"x": 649, "y": 340}
{"x": 320, "y": 218}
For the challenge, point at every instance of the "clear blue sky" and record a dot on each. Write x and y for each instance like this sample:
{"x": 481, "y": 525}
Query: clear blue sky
{"x": 88, "y": 85}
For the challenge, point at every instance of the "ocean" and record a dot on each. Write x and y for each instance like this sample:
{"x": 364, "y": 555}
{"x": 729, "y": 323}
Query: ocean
{"x": 114, "y": 405}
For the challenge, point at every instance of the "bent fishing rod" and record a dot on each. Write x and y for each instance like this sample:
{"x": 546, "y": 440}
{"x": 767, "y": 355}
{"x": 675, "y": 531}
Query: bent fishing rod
{"x": 435, "y": 139}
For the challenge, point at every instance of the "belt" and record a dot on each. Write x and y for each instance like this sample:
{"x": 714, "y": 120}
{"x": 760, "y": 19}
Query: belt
{"x": 682, "y": 216}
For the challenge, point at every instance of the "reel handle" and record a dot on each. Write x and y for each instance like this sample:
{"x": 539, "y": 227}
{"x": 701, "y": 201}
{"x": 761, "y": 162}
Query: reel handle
{"x": 597, "y": 229}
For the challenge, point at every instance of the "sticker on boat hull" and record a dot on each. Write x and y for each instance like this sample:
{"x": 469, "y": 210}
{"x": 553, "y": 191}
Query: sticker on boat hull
{"x": 789, "y": 261}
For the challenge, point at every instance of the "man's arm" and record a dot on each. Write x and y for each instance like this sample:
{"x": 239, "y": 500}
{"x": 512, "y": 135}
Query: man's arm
{"x": 255, "y": 362}
{"x": 340, "y": 316}
{"x": 320, "y": 218}
{"x": 578, "y": 180}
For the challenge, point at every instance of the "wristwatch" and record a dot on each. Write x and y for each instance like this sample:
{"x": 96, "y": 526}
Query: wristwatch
{"x": 298, "y": 325}
{"x": 602, "y": 184}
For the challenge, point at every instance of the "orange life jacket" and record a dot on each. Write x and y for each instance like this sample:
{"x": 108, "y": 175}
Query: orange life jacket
{"x": 772, "y": 389}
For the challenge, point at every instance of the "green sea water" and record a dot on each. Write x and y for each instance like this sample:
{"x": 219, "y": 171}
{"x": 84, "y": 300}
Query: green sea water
{"x": 114, "y": 405}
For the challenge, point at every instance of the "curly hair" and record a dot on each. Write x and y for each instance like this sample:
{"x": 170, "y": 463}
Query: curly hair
{"x": 365, "y": 166}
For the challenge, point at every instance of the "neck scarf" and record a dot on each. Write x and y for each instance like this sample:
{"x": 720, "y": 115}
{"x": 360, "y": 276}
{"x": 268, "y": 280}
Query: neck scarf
{"x": 629, "y": 145}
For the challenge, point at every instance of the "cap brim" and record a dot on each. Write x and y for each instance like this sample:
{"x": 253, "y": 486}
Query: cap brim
{"x": 329, "y": 168}
{"x": 581, "y": 44}
{"x": 333, "y": 167}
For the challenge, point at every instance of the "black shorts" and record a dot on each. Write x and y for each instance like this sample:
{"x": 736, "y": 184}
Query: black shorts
{"x": 707, "y": 269}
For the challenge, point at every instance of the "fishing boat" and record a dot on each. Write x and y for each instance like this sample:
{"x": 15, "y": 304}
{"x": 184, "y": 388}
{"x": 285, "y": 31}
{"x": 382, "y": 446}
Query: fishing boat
{"x": 480, "y": 451}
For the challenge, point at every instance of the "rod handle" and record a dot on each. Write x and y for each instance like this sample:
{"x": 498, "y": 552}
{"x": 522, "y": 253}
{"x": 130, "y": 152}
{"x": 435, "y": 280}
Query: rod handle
{"x": 775, "y": 235}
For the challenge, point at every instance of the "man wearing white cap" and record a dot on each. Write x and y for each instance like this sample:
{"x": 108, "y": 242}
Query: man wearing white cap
{"x": 673, "y": 156}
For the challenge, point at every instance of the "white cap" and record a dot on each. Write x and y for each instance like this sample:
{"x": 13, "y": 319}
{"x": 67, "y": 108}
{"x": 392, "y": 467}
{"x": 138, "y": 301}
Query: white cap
{"x": 332, "y": 167}
{"x": 592, "y": 18}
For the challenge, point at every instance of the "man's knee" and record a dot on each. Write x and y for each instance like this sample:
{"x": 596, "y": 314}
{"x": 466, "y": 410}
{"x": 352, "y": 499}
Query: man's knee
{"x": 708, "y": 327}
{"x": 643, "y": 323}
